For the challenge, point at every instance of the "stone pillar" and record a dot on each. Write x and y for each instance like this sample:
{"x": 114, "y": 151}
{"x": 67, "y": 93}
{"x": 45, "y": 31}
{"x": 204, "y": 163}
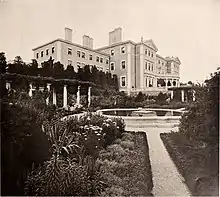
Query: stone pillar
{"x": 30, "y": 90}
{"x": 166, "y": 81}
{"x": 147, "y": 81}
{"x": 178, "y": 83}
{"x": 155, "y": 82}
{"x": 171, "y": 96}
{"x": 182, "y": 95}
{"x": 48, "y": 89}
{"x": 193, "y": 95}
{"x": 54, "y": 96}
{"x": 89, "y": 96}
{"x": 78, "y": 96}
{"x": 65, "y": 96}
{"x": 129, "y": 72}
{"x": 141, "y": 66}
{"x": 8, "y": 85}
{"x": 171, "y": 82}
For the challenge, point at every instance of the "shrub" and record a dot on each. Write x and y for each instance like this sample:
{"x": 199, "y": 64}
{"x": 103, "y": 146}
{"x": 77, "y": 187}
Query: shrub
{"x": 24, "y": 145}
{"x": 59, "y": 177}
{"x": 127, "y": 136}
{"x": 121, "y": 166}
{"x": 127, "y": 144}
{"x": 161, "y": 99}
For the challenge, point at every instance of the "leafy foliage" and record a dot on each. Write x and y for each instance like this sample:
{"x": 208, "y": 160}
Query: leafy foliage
{"x": 201, "y": 120}
{"x": 75, "y": 147}
{"x": 24, "y": 145}
{"x": 121, "y": 164}
{"x": 51, "y": 70}
{"x": 161, "y": 99}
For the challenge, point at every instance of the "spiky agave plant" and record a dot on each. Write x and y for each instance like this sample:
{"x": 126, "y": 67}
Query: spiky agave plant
{"x": 48, "y": 179}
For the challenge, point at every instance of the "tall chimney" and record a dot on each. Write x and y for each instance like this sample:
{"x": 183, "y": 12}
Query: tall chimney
{"x": 87, "y": 42}
{"x": 68, "y": 34}
{"x": 90, "y": 43}
{"x": 115, "y": 36}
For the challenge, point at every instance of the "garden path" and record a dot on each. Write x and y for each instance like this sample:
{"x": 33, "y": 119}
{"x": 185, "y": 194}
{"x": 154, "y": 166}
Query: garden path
{"x": 166, "y": 178}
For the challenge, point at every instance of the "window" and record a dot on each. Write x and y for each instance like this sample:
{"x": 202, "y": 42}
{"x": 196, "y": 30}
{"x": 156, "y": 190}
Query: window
{"x": 70, "y": 62}
{"x": 122, "y": 49}
{"x": 162, "y": 63}
{"x": 112, "y": 52}
{"x": 83, "y": 55}
{"x": 145, "y": 51}
{"x": 78, "y": 53}
{"x": 42, "y": 53}
{"x": 47, "y": 52}
{"x": 148, "y": 53}
{"x": 37, "y": 55}
{"x": 69, "y": 51}
{"x": 158, "y": 61}
{"x": 101, "y": 59}
{"x": 152, "y": 67}
{"x": 97, "y": 59}
{"x": 90, "y": 57}
{"x": 168, "y": 68}
{"x": 152, "y": 55}
{"x": 53, "y": 49}
{"x": 148, "y": 66}
{"x": 112, "y": 66}
{"x": 123, "y": 81}
{"x": 106, "y": 61}
{"x": 145, "y": 65}
{"x": 123, "y": 64}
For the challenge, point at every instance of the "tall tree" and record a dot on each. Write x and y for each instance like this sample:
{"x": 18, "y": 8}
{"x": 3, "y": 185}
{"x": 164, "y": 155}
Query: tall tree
{"x": 33, "y": 68}
{"x": 69, "y": 73}
{"x": 80, "y": 74}
{"x": 87, "y": 73}
{"x": 47, "y": 68}
{"x": 17, "y": 66}
{"x": 94, "y": 77}
{"x": 3, "y": 63}
{"x": 58, "y": 70}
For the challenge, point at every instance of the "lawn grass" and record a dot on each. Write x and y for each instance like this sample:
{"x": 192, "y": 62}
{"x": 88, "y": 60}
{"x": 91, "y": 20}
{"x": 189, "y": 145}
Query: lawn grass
{"x": 198, "y": 164}
{"x": 126, "y": 166}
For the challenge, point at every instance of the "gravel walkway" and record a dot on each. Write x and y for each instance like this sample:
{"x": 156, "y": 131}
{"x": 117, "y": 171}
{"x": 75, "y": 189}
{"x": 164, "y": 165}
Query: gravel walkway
{"x": 167, "y": 180}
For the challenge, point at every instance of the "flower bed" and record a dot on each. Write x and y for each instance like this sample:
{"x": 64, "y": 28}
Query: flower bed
{"x": 126, "y": 166}
{"x": 197, "y": 163}
{"x": 72, "y": 168}
{"x": 92, "y": 156}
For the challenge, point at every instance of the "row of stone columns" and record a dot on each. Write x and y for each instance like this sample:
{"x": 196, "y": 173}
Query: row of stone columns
{"x": 152, "y": 81}
{"x": 183, "y": 95}
{"x": 54, "y": 98}
{"x": 171, "y": 81}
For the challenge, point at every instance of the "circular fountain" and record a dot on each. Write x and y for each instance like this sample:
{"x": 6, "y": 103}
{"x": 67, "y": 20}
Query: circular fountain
{"x": 140, "y": 118}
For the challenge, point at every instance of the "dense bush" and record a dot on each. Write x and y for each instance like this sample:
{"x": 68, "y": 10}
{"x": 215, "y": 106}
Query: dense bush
{"x": 122, "y": 162}
{"x": 23, "y": 146}
{"x": 193, "y": 161}
{"x": 73, "y": 168}
{"x": 201, "y": 122}
{"x": 161, "y": 99}
{"x": 195, "y": 148}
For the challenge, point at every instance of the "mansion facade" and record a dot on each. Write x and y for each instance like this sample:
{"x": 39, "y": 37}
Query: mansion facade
{"x": 137, "y": 65}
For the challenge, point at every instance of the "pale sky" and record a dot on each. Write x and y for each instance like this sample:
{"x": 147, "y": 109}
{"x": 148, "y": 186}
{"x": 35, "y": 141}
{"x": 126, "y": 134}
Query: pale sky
{"x": 189, "y": 29}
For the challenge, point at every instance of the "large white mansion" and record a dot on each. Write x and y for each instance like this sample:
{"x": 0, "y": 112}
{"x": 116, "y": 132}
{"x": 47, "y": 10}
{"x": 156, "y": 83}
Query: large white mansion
{"x": 137, "y": 65}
